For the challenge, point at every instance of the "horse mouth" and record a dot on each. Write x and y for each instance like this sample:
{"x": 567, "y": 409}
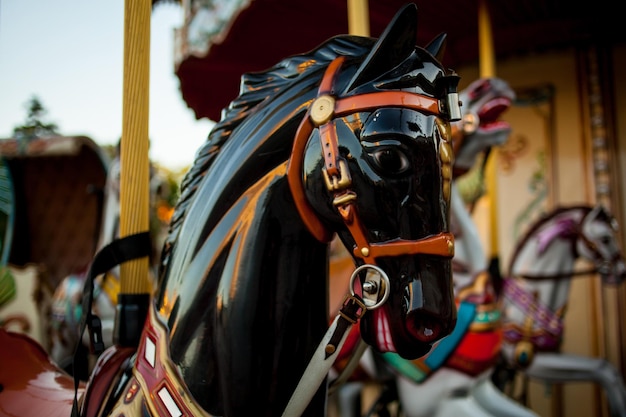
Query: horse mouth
{"x": 612, "y": 278}
{"x": 489, "y": 115}
{"x": 384, "y": 340}
{"x": 415, "y": 341}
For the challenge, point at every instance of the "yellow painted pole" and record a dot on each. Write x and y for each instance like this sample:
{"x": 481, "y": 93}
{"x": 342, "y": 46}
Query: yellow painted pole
{"x": 135, "y": 171}
{"x": 358, "y": 18}
{"x": 487, "y": 60}
{"x": 359, "y": 25}
{"x": 487, "y": 69}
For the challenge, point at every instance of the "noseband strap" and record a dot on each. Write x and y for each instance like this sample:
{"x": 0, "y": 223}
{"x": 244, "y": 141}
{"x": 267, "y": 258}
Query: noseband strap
{"x": 324, "y": 109}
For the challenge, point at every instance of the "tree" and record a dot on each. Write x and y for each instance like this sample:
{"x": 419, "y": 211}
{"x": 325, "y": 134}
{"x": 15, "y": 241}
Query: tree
{"x": 34, "y": 127}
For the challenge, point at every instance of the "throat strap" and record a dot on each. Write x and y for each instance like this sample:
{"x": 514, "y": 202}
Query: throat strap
{"x": 324, "y": 356}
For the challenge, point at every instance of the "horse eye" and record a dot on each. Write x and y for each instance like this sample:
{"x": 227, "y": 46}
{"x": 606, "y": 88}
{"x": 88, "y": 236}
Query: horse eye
{"x": 606, "y": 240}
{"x": 390, "y": 160}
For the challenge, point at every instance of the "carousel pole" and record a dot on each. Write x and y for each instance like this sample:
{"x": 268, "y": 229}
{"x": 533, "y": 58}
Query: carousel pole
{"x": 487, "y": 69}
{"x": 358, "y": 18}
{"x": 487, "y": 60}
{"x": 359, "y": 25}
{"x": 134, "y": 296}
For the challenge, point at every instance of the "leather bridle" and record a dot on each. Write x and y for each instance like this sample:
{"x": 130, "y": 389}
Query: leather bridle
{"x": 321, "y": 115}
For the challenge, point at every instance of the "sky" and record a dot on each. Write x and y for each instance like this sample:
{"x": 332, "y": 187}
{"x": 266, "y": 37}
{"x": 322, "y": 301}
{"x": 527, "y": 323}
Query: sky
{"x": 70, "y": 55}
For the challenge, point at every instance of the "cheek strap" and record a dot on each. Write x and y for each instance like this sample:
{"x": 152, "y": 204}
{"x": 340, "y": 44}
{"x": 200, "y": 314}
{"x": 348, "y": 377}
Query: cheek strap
{"x": 321, "y": 114}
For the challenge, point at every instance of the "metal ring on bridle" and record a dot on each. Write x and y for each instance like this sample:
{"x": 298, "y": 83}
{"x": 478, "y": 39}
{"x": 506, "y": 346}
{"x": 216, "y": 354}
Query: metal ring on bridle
{"x": 470, "y": 123}
{"x": 376, "y": 281}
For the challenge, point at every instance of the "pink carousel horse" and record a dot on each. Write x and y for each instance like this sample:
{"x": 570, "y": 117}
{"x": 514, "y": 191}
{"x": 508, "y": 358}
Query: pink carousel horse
{"x": 455, "y": 377}
{"x": 536, "y": 295}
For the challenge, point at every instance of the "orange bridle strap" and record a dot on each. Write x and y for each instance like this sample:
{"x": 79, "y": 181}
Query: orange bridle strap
{"x": 324, "y": 109}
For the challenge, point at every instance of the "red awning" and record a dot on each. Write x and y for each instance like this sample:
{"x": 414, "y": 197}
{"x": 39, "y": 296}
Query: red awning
{"x": 263, "y": 32}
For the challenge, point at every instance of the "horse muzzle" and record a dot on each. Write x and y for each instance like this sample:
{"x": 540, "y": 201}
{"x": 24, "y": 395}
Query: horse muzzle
{"x": 411, "y": 323}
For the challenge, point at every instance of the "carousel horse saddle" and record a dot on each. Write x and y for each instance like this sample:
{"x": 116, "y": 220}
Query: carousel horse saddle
{"x": 30, "y": 383}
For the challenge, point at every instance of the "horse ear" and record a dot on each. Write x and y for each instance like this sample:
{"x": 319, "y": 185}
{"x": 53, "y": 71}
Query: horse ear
{"x": 395, "y": 44}
{"x": 594, "y": 213}
{"x": 600, "y": 212}
{"x": 437, "y": 46}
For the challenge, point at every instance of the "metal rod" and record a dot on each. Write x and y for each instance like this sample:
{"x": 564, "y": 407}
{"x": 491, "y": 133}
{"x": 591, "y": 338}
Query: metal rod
{"x": 135, "y": 286}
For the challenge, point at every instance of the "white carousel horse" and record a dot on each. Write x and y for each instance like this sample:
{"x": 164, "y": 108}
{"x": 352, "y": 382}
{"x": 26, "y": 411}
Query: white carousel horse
{"x": 536, "y": 293}
{"x": 455, "y": 378}
{"x": 67, "y": 298}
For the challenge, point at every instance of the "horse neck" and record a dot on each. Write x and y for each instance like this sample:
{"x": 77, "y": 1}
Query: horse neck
{"x": 469, "y": 256}
{"x": 258, "y": 271}
{"x": 546, "y": 274}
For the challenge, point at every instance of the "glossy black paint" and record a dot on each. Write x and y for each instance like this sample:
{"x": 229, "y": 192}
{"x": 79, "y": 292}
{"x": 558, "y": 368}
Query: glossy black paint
{"x": 243, "y": 283}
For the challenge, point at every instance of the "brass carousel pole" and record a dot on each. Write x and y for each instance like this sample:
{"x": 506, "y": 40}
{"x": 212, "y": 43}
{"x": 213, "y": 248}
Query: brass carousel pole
{"x": 359, "y": 25}
{"x": 487, "y": 69}
{"x": 134, "y": 296}
{"x": 358, "y": 18}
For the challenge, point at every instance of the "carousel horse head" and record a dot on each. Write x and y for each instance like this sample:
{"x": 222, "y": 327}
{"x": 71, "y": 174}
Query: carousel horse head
{"x": 353, "y": 139}
{"x": 599, "y": 244}
{"x": 539, "y": 279}
{"x": 483, "y": 102}
{"x": 585, "y": 232}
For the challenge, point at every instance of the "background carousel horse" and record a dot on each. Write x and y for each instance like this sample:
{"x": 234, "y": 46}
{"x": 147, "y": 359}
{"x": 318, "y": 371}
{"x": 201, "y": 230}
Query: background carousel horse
{"x": 351, "y": 138}
{"x": 454, "y": 378}
{"x": 67, "y": 299}
{"x": 536, "y": 292}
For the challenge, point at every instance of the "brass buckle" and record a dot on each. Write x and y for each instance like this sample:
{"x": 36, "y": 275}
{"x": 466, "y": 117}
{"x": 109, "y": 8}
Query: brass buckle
{"x": 338, "y": 183}
{"x": 359, "y": 311}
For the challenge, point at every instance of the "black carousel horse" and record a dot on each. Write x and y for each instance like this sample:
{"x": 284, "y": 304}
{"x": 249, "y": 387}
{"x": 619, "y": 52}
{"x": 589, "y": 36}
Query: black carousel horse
{"x": 351, "y": 139}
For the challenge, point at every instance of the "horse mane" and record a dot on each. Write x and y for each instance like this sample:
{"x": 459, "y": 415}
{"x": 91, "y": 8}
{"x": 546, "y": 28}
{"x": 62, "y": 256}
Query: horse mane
{"x": 256, "y": 90}
{"x": 565, "y": 230}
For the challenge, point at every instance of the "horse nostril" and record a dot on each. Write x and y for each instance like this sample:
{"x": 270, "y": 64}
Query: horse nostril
{"x": 424, "y": 327}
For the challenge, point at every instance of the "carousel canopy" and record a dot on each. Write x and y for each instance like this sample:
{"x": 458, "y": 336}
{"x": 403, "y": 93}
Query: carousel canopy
{"x": 222, "y": 39}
